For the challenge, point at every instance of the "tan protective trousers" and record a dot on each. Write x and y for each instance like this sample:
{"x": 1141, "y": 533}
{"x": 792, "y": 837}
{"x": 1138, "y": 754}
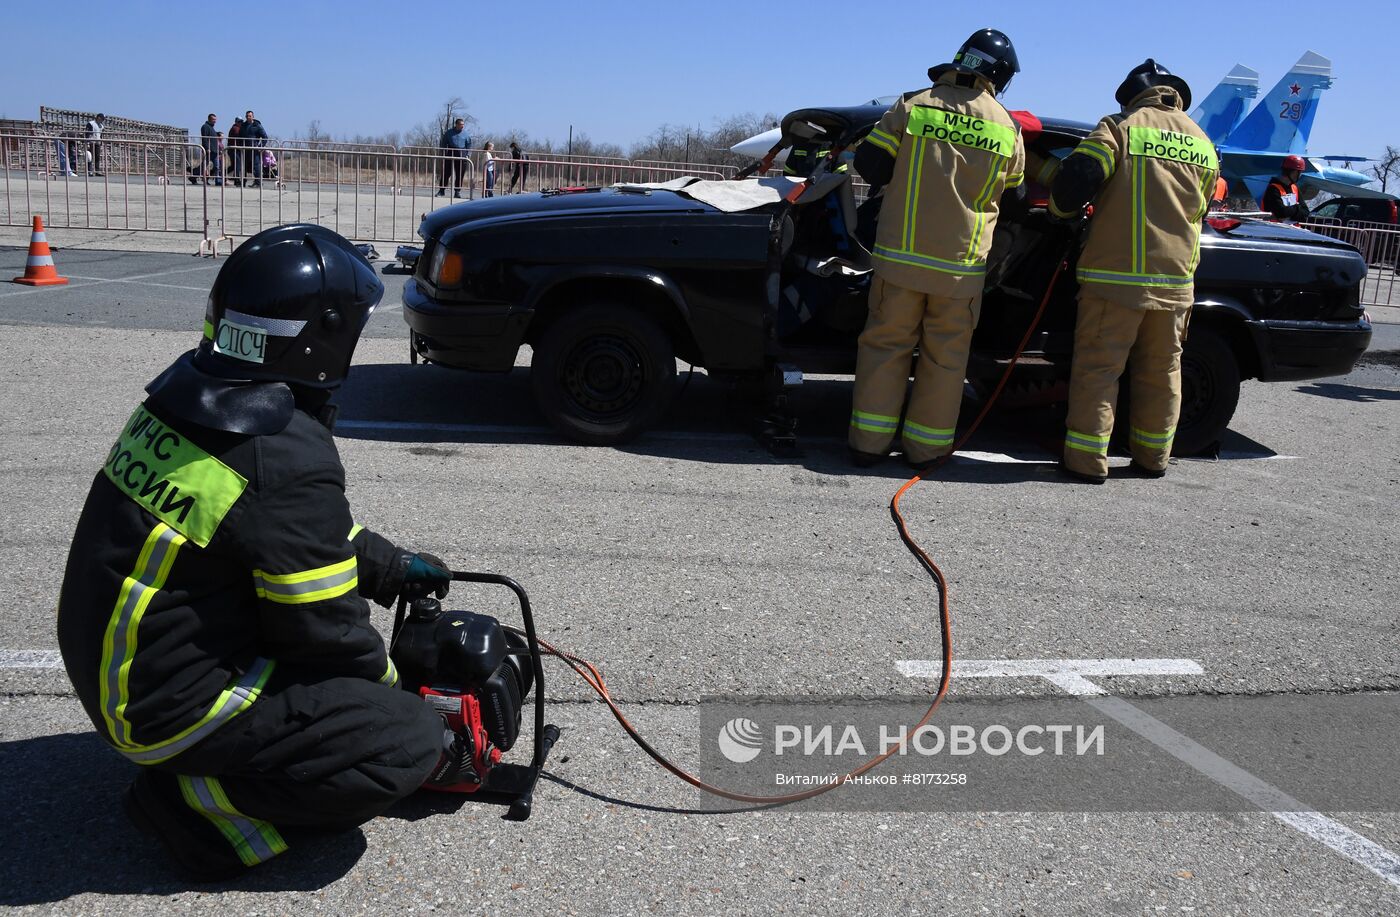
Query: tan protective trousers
{"x": 1107, "y": 336}
{"x": 899, "y": 319}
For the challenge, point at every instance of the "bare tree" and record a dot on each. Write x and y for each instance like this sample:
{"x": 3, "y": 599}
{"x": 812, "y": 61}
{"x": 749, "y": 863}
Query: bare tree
{"x": 314, "y": 134}
{"x": 1386, "y": 167}
{"x": 672, "y": 143}
{"x": 428, "y": 133}
{"x": 453, "y": 109}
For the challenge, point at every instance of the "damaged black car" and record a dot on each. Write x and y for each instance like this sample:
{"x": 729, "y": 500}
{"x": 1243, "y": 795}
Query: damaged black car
{"x": 767, "y": 278}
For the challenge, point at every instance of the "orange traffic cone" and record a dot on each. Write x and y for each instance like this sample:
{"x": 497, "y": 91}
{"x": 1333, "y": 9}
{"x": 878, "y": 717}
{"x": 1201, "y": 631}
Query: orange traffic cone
{"x": 39, "y": 270}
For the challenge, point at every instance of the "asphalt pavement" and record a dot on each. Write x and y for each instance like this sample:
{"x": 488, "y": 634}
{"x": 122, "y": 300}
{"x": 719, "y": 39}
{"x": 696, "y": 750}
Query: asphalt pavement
{"x": 693, "y": 563}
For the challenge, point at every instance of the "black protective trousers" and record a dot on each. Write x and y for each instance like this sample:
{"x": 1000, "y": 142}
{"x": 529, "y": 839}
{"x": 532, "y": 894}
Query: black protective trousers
{"x": 309, "y": 754}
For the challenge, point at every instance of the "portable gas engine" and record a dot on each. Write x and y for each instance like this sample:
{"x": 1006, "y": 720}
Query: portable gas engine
{"x": 477, "y": 673}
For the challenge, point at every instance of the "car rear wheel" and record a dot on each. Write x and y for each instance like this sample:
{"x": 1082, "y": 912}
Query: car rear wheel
{"x": 603, "y": 373}
{"x": 1210, "y": 391}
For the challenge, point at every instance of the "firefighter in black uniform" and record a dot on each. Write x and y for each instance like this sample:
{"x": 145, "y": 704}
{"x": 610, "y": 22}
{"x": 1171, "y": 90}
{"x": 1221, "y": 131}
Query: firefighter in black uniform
{"x": 213, "y": 617}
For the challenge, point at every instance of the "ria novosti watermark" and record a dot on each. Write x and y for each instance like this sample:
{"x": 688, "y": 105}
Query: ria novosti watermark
{"x": 1049, "y": 754}
{"x": 741, "y": 740}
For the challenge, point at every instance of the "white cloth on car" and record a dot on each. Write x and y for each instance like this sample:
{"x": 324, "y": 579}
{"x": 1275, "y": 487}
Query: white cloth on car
{"x": 728, "y": 196}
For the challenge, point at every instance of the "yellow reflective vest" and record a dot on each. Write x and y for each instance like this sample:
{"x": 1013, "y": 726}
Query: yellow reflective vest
{"x": 956, "y": 150}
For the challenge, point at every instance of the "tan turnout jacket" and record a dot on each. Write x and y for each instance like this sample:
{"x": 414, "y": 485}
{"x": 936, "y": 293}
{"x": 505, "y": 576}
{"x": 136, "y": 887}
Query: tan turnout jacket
{"x": 956, "y": 150}
{"x": 1160, "y": 169}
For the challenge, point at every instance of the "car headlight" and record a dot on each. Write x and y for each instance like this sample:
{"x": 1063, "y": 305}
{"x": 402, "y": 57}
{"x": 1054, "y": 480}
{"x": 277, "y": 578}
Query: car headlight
{"x": 446, "y": 268}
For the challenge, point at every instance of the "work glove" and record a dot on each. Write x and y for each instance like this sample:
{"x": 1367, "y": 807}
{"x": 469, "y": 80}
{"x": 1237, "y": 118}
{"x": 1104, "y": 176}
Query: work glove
{"x": 426, "y": 574}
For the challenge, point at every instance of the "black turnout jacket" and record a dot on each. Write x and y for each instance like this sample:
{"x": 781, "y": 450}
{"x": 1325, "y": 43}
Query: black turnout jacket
{"x": 204, "y": 561}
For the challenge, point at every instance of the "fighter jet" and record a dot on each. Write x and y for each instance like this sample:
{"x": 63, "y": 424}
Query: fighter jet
{"x": 1252, "y": 146}
{"x": 1252, "y": 143}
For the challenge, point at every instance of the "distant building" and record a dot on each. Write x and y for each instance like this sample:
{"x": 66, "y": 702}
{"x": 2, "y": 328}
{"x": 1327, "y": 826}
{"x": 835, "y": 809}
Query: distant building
{"x": 31, "y": 144}
{"x": 63, "y": 121}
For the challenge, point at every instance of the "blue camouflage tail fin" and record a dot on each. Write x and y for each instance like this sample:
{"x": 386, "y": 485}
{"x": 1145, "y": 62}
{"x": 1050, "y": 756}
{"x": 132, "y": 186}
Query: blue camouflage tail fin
{"x": 1225, "y": 107}
{"x": 1281, "y": 123}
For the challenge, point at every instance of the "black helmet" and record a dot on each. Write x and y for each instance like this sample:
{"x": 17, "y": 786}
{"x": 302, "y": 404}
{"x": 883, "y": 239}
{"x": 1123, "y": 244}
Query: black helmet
{"x": 988, "y": 54}
{"x": 288, "y": 306}
{"x": 1146, "y": 75}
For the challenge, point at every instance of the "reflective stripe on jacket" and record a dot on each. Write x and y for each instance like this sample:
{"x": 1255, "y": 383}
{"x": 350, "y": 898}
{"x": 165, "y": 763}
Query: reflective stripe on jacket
{"x": 955, "y": 150}
{"x": 1159, "y": 170}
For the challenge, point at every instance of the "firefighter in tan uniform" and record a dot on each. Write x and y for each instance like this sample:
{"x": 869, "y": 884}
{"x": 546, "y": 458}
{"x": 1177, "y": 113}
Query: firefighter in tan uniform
{"x": 945, "y": 155}
{"x": 1150, "y": 172}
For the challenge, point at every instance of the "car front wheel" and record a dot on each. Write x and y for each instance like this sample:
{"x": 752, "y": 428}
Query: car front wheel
{"x": 1210, "y": 391}
{"x": 603, "y": 373}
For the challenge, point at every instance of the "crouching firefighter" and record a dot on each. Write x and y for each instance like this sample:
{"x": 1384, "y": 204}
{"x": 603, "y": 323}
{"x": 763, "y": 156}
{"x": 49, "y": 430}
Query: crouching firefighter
{"x": 213, "y": 617}
{"x": 1150, "y": 172}
{"x": 946, "y": 154}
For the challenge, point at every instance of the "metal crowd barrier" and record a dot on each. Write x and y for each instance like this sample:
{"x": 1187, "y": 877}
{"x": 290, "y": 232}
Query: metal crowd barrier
{"x": 362, "y": 191}
{"x": 1379, "y": 244}
{"x": 113, "y": 184}
{"x": 366, "y": 192}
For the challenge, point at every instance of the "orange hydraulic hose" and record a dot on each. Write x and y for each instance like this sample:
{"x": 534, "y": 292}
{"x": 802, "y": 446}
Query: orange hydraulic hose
{"x": 594, "y": 678}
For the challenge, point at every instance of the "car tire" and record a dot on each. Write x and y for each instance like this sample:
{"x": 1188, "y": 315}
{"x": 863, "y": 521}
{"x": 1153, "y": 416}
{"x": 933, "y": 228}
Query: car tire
{"x": 1210, "y": 391}
{"x": 603, "y": 373}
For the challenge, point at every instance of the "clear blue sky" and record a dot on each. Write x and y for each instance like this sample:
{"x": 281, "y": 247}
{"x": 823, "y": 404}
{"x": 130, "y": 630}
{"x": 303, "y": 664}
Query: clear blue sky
{"x": 616, "y": 70}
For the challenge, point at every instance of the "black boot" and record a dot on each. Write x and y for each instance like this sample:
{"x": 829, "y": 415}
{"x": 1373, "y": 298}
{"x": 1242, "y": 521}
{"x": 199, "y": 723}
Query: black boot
{"x": 865, "y": 459}
{"x": 152, "y": 802}
{"x": 1143, "y": 471}
{"x": 1080, "y": 476}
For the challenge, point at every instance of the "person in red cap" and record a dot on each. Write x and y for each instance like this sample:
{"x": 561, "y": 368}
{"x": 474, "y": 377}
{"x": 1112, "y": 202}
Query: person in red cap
{"x": 1281, "y": 196}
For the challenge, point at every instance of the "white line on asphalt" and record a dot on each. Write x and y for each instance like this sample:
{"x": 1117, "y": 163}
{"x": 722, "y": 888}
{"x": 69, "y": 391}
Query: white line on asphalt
{"x": 30, "y": 659}
{"x": 1271, "y": 799}
{"x": 1047, "y": 668}
{"x": 1000, "y": 458}
{"x": 133, "y": 279}
{"x": 179, "y": 270}
{"x": 397, "y": 426}
{"x": 28, "y": 290}
{"x": 1232, "y": 456}
{"x": 139, "y": 283}
{"x": 1068, "y": 676}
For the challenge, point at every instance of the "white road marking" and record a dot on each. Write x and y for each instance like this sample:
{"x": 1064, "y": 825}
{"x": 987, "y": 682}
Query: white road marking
{"x": 139, "y": 283}
{"x": 1232, "y": 456}
{"x": 178, "y": 270}
{"x": 1069, "y": 676}
{"x": 28, "y": 290}
{"x": 1048, "y": 668}
{"x": 30, "y": 659}
{"x": 1001, "y": 458}
{"x": 136, "y": 278}
{"x": 397, "y": 426}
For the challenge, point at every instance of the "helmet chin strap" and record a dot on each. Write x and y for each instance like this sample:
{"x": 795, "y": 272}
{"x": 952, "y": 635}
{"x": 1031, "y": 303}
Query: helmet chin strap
{"x": 316, "y": 402}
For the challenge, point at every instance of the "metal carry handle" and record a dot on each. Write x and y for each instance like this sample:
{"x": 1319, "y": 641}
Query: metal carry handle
{"x": 525, "y": 613}
{"x": 545, "y": 736}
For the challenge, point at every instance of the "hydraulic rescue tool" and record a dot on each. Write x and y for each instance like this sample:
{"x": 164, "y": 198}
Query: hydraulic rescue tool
{"x": 594, "y": 678}
{"x": 468, "y": 665}
{"x": 477, "y": 674}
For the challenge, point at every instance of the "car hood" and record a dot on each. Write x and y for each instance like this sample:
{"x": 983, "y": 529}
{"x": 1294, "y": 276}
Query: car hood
{"x": 564, "y": 203}
{"x": 1266, "y": 232}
